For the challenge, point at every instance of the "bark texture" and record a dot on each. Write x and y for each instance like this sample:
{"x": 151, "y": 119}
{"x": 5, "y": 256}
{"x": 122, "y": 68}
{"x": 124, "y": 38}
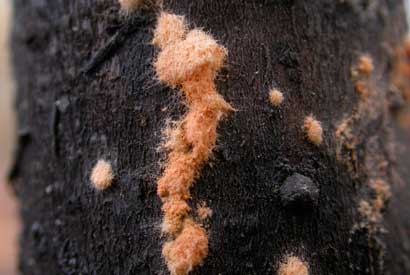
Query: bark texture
{"x": 87, "y": 90}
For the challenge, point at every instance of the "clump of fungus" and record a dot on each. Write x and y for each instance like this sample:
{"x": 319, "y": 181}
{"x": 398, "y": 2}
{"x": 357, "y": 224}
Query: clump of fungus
{"x": 188, "y": 250}
{"x": 276, "y": 97}
{"x": 373, "y": 211}
{"x": 131, "y": 5}
{"x": 362, "y": 89}
{"x": 203, "y": 211}
{"x": 401, "y": 71}
{"x": 313, "y": 129}
{"x": 293, "y": 266}
{"x": 365, "y": 66}
{"x": 188, "y": 60}
{"x": 102, "y": 175}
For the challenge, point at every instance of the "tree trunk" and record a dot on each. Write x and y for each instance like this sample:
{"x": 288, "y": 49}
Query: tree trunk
{"x": 87, "y": 90}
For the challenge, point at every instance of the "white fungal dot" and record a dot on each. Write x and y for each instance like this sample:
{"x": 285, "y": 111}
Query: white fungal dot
{"x": 102, "y": 175}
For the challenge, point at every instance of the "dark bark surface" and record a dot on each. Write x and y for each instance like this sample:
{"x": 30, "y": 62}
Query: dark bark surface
{"x": 84, "y": 95}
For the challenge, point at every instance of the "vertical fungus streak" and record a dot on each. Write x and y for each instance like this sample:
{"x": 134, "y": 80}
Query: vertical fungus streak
{"x": 188, "y": 60}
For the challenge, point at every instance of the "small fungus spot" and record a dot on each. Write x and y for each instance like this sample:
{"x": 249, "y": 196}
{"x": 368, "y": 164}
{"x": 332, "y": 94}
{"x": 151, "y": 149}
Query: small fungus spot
{"x": 190, "y": 61}
{"x": 131, "y": 5}
{"x": 102, "y": 175}
{"x": 366, "y": 210}
{"x": 381, "y": 188}
{"x": 365, "y": 66}
{"x": 204, "y": 212}
{"x": 275, "y": 97}
{"x": 171, "y": 28}
{"x": 293, "y": 266}
{"x": 401, "y": 71}
{"x": 362, "y": 89}
{"x": 313, "y": 129}
{"x": 372, "y": 211}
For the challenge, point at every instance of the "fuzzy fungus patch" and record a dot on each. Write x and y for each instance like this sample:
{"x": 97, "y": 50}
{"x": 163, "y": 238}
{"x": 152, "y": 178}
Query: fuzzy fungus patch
{"x": 276, "y": 97}
{"x": 102, "y": 175}
{"x": 313, "y": 129}
{"x": 204, "y": 212}
{"x": 401, "y": 71}
{"x": 130, "y": 6}
{"x": 361, "y": 73}
{"x": 372, "y": 210}
{"x": 188, "y": 250}
{"x": 364, "y": 67}
{"x": 293, "y": 266}
{"x": 362, "y": 89}
{"x": 188, "y": 60}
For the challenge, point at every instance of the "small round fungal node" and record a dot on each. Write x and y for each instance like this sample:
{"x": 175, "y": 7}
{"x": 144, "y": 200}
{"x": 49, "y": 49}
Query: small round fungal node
{"x": 188, "y": 250}
{"x": 314, "y": 130}
{"x": 131, "y": 5}
{"x": 102, "y": 175}
{"x": 276, "y": 97}
{"x": 204, "y": 212}
{"x": 365, "y": 67}
{"x": 362, "y": 89}
{"x": 293, "y": 266}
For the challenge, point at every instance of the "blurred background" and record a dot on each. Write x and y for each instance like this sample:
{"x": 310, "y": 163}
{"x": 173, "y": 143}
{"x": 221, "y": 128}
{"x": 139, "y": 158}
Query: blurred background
{"x": 9, "y": 224}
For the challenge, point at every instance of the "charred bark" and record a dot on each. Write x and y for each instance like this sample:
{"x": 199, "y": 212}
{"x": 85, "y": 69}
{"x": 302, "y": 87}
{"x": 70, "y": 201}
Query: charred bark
{"x": 87, "y": 90}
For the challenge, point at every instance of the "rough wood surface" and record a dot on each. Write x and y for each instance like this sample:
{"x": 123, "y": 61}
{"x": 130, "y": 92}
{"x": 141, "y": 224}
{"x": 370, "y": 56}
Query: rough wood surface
{"x": 83, "y": 96}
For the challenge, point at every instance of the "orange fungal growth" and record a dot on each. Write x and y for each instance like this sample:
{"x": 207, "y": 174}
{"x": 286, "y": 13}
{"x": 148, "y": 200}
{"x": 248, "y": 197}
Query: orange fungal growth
{"x": 381, "y": 188}
{"x": 188, "y": 250}
{"x": 131, "y": 5}
{"x": 313, "y": 129}
{"x": 190, "y": 61}
{"x": 204, "y": 212}
{"x": 401, "y": 71}
{"x": 102, "y": 175}
{"x": 372, "y": 211}
{"x": 362, "y": 89}
{"x": 275, "y": 97}
{"x": 365, "y": 67}
{"x": 293, "y": 266}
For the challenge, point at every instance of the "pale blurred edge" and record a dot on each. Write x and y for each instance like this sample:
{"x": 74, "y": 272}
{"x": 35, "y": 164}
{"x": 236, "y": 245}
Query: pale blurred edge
{"x": 9, "y": 226}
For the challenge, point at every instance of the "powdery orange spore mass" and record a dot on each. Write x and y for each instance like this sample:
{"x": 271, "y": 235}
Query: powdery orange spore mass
{"x": 293, "y": 266}
{"x": 188, "y": 250}
{"x": 189, "y": 61}
{"x": 102, "y": 175}
{"x": 401, "y": 72}
{"x": 131, "y": 5}
{"x": 276, "y": 97}
{"x": 314, "y": 130}
{"x": 365, "y": 66}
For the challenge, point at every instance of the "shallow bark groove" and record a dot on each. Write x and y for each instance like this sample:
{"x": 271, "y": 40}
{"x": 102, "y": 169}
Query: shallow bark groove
{"x": 118, "y": 111}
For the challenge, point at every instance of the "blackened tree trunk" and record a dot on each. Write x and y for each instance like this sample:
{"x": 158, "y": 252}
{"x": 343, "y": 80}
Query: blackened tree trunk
{"x": 87, "y": 91}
